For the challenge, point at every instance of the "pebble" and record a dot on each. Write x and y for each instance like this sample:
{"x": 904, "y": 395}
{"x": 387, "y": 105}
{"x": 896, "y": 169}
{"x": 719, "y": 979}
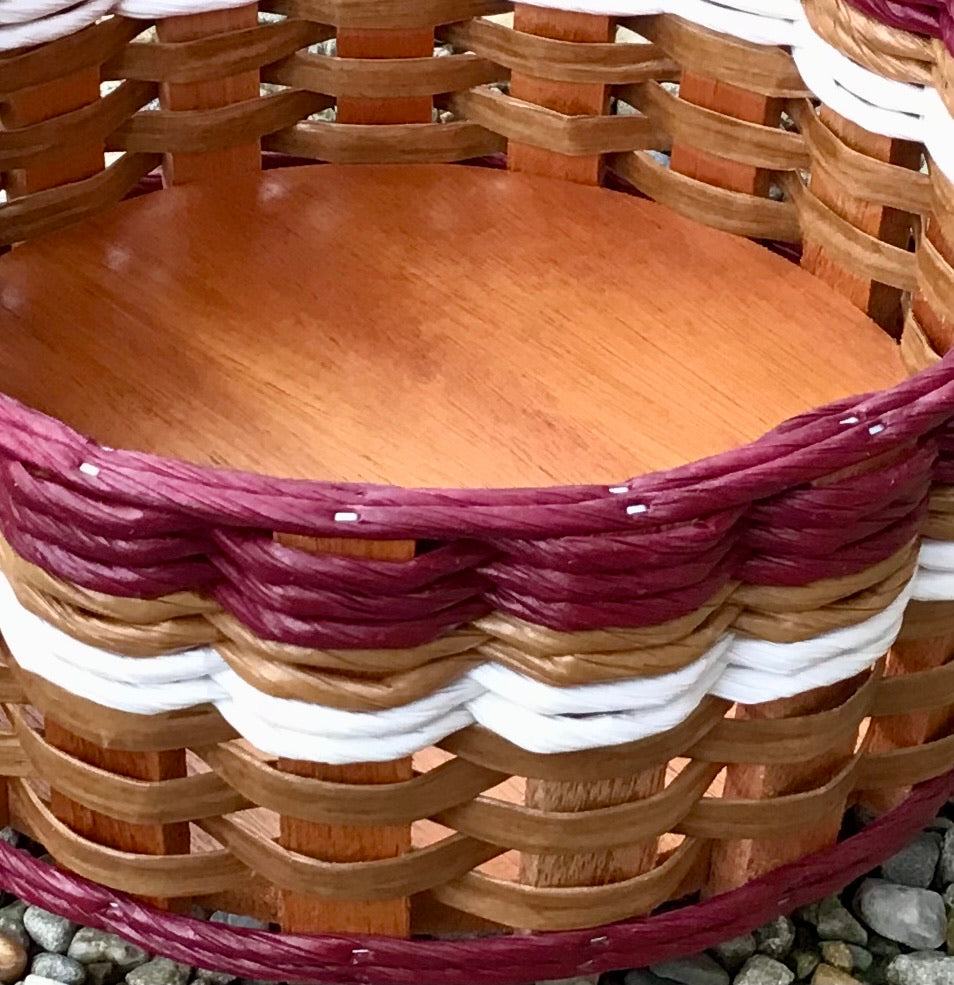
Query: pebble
{"x": 915, "y": 917}
{"x": 90, "y": 945}
{"x": 945, "y": 866}
{"x": 638, "y": 976}
{"x": 11, "y": 837}
{"x": 237, "y": 920}
{"x": 805, "y": 962}
{"x": 948, "y": 897}
{"x": 53, "y": 933}
{"x": 698, "y": 969}
{"x": 861, "y": 958}
{"x": 59, "y": 968}
{"x": 101, "y": 973}
{"x": 837, "y": 954}
{"x": 735, "y": 952}
{"x": 825, "y": 974}
{"x": 915, "y": 864}
{"x": 13, "y": 960}
{"x": 881, "y": 947}
{"x": 776, "y": 938}
{"x": 39, "y": 980}
{"x": 835, "y": 923}
{"x": 760, "y": 969}
{"x": 11, "y": 925}
{"x": 920, "y": 968}
{"x": 159, "y": 971}
{"x": 224, "y": 978}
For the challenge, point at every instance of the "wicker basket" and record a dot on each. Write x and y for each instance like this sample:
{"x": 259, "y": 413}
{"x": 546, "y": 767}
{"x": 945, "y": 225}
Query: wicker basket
{"x": 825, "y": 126}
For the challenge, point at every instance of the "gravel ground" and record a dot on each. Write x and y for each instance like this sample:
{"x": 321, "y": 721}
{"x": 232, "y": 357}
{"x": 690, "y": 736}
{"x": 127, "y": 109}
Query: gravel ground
{"x": 894, "y": 927}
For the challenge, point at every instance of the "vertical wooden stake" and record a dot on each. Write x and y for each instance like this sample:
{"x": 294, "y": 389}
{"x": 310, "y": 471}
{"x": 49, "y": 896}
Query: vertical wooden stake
{"x": 880, "y": 302}
{"x": 345, "y": 843}
{"x": 147, "y": 839}
{"x": 736, "y": 862}
{"x": 179, "y": 169}
{"x": 571, "y": 98}
{"x": 741, "y": 104}
{"x": 355, "y": 43}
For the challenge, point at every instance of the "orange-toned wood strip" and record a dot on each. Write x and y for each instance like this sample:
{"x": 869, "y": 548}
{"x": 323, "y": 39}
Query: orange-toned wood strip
{"x": 358, "y": 43}
{"x": 149, "y": 839}
{"x": 45, "y": 102}
{"x": 736, "y": 862}
{"x": 181, "y": 168}
{"x": 903, "y": 731}
{"x": 938, "y": 325}
{"x": 742, "y": 104}
{"x": 571, "y": 98}
{"x": 345, "y": 843}
{"x": 879, "y": 301}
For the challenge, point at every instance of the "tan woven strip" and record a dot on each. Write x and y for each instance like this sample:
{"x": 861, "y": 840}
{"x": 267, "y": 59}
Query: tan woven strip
{"x": 915, "y": 691}
{"x": 926, "y": 620}
{"x": 379, "y": 78}
{"x": 197, "y": 131}
{"x": 876, "y": 181}
{"x": 386, "y": 13}
{"x": 542, "y": 127}
{"x": 13, "y": 761}
{"x": 916, "y": 349}
{"x": 389, "y": 878}
{"x": 536, "y": 908}
{"x": 725, "y": 136}
{"x": 889, "y": 52}
{"x": 216, "y": 57}
{"x": 10, "y": 690}
{"x": 867, "y": 255}
{"x": 60, "y": 59}
{"x": 734, "y": 212}
{"x": 90, "y": 125}
{"x": 172, "y": 876}
{"x": 905, "y": 767}
{"x": 936, "y": 277}
{"x": 122, "y": 798}
{"x": 423, "y": 143}
{"x": 764, "y": 69}
{"x": 561, "y": 61}
{"x": 382, "y": 804}
{"x": 44, "y": 211}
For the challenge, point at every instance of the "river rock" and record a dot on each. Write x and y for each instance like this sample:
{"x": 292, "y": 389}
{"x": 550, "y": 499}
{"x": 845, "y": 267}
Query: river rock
{"x": 204, "y": 976}
{"x": 638, "y": 976}
{"x": 910, "y": 916}
{"x": 835, "y": 923}
{"x": 825, "y": 974}
{"x": 51, "y": 932}
{"x": 91, "y": 945}
{"x": 776, "y": 938}
{"x": 60, "y": 968}
{"x": 13, "y": 959}
{"x": 102, "y": 973}
{"x": 945, "y": 866}
{"x": 915, "y": 864}
{"x": 697, "y": 969}
{"x": 760, "y": 969}
{"x": 804, "y": 962}
{"x": 735, "y": 952}
{"x": 237, "y": 920}
{"x": 920, "y": 968}
{"x": 837, "y": 954}
{"x": 861, "y": 957}
{"x": 159, "y": 971}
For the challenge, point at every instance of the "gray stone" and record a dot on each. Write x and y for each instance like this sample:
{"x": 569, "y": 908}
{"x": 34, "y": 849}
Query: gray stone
{"x": 207, "y": 977}
{"x": 237, "y": 920}
{"x": 948, "y": 896}
{"x": 38, "y": 980}
{"x": 90, "y": 945}
{"x": 60, "y": 968}
{"x": 10, "y": 835}
{"x": 836, "y": 954}
{"x": 881, "y": 947}
{"x": 638, "y": 976}
{"x": 941, "y": 825}
{"x": 861, "y": 958}
{"x": 776, "y": 938}
{"x": 11, "y": 923}
{"x": 159, "y": 971}
{"x": 697, "y": 969}
{"x": 804, "y": 962}
{"x": 835, "y": 923}
{"x": 911, "y": 916}
{"x": 102, "y": 973}
{"x": 825, "y": 974}
{"x": 760, "y": 969}
{"x": 914, "y": 865}
{"x": 51, "y": 932}
{"x": 920, "y": 968}
{"x": 735, "y": 952}
{"x": 945, "y": 867}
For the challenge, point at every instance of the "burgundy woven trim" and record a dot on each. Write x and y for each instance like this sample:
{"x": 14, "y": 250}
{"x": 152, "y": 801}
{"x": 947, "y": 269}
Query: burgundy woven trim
{"x": 934, "y": 18}
{"x": 479, "y": 961}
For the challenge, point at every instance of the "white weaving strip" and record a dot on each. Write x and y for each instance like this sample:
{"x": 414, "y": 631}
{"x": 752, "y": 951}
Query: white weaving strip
{"x": 52, "y": 23}
{"x": 530, "y": 714}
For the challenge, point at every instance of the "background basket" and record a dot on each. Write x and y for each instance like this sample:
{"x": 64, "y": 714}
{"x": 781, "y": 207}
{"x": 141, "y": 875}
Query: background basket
{"x": 774, "y": 577}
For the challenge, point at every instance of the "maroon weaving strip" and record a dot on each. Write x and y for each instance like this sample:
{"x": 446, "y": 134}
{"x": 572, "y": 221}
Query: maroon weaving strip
{"x": 481, "y": 961}
{"x": 918, "y": 16}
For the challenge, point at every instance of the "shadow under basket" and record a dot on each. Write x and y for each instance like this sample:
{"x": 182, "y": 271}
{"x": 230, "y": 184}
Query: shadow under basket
{"x": 451, "y": 701}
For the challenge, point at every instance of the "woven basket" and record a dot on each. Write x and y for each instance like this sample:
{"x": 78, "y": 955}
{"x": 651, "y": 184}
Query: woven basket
{"x": 825, "y": 128}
